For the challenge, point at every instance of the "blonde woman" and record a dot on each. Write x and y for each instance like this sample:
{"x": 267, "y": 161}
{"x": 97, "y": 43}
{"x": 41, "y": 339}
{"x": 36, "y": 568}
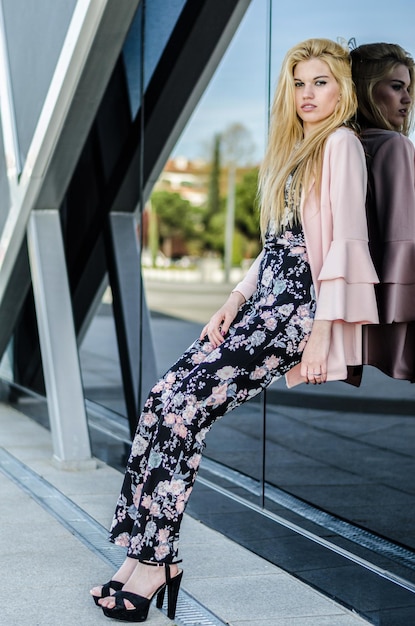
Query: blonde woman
{"x": 384, "y": 77}
{"x": 298, "y": 312}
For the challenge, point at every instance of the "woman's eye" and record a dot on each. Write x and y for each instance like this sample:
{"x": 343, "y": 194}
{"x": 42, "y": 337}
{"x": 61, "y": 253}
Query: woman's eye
{"x": 298, "y": 83}
{"x": 321, "y": 82}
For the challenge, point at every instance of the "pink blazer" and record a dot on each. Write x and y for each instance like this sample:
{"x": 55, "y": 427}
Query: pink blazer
{"x": 335, "y": 231}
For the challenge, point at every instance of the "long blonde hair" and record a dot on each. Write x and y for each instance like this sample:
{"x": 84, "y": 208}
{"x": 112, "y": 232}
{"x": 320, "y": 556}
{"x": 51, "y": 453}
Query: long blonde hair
{"x": 288, "y": 152}
{"x": 372, "y": 63}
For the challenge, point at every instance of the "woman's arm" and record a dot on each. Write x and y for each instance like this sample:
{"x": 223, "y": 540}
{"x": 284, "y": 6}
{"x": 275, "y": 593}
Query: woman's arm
{"x": 219, "y": 323}
{"x": 346, "y": 291}
{"x": 248, "y": 285}
{"x": 347, "y": 276}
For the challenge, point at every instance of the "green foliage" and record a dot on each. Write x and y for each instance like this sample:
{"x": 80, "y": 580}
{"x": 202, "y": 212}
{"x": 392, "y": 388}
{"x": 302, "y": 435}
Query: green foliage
{"x": 213, "y": 201}
{"x": 246, "y": 206}
{"x": 176, "y": 216}
{"x": 247, "y": 217}
{"x": 246, "y": 243}
{"x": 202, "y": 229}
{"x": 212, "y": 219}
{"x": 213, "y": 234}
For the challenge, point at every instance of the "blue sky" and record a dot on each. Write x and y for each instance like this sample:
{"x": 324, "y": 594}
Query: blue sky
{"x": 237, "y": 92}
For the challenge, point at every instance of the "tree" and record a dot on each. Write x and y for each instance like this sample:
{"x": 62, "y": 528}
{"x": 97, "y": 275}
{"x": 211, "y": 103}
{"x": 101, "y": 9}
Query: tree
{"x": 238, "y": 147}
{"x": 246, "y": 209}
{"x": 179, "y": 222}
{"x": 213, "y": 200}
{"x": 247, "y": 243}
{"x": 246, "y": 239}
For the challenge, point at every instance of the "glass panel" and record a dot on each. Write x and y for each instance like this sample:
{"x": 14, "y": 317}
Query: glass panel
{"x": 160, "y": 20}
{"x": 4, "y": 186}
{"x": 99, "y": 358}
{"x": 237, "y": 92}
{"x": 189, "y": 282}
{"x": 161, "y": 17}
{"x": 132, "y": 61}
{"x": 27, "y": 24}
{"x": 338, "y": 448}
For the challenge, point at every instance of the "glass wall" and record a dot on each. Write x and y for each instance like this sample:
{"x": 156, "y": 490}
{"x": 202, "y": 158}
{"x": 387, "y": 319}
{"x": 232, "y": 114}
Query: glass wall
{"x": 339, "y": 456}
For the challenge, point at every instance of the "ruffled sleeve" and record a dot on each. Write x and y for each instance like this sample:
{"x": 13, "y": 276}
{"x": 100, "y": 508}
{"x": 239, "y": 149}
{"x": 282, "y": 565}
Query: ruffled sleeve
{"x": 348, "y": 259}
{"x": 346, "y": 284}
{"x": 346, "y": 276}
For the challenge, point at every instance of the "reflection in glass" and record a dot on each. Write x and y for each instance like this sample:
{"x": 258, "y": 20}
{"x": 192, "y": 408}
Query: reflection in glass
{"x": 352, "y": 461}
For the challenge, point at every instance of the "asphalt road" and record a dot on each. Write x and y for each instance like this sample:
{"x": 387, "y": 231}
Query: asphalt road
{"x": 192, "y": 301}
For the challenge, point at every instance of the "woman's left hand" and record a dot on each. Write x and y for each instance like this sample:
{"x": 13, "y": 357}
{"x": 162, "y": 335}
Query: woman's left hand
{"x": 219, "y": 323}
{"x": 314, "y": 359}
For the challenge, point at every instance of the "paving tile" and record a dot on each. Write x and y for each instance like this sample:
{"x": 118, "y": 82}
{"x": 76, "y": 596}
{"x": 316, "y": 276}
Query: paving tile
{"x": 48, "y": 571}
{"x": 243, "y": 598}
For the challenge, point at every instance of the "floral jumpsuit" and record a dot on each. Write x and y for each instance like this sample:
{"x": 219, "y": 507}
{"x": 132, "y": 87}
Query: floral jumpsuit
{"x": 265, "y": 340}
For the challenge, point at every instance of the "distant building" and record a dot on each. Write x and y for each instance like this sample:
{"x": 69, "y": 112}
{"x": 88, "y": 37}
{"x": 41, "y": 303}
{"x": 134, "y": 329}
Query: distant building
{"x": 187, "y": 178}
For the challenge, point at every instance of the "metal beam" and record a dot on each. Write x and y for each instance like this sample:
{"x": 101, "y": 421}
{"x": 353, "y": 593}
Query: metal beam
{"x": 132, "y": 319}
{"x": 61, "y": 368}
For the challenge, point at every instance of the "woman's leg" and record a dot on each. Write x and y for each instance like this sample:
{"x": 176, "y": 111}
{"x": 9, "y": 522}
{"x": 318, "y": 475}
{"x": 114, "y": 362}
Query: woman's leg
{"x": 264, "y": 342}
{"x": 143, "y": 455}
{"x": 163, "y": 388}
{"x": 169, "y": 443}
{"x": 231, "y": 374}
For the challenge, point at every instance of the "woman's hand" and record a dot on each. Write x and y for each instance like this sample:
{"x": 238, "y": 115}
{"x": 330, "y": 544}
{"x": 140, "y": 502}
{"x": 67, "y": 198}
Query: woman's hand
{"x": 314, "y": 359}
{"x": 219, "y": 323}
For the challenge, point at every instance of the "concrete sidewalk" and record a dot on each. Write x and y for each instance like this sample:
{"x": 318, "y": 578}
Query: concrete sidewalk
{"x": 47, "y": 568}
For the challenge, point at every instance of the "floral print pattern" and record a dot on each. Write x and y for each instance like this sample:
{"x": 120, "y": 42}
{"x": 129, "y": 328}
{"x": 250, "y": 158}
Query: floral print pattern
{"x": 265, "y": 341}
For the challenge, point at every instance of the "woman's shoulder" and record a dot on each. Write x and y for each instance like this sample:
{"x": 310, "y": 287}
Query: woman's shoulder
{"x": 343, "y": 143}
{"x": 343, "y": 135}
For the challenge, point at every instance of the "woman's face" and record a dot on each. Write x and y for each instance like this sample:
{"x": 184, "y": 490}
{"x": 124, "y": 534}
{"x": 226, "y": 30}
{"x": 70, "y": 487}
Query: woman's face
{"x": 392, "y": 96}
{"x": 316, "y": 93}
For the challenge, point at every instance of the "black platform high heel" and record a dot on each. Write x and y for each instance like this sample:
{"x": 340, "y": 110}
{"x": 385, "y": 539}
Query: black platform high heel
{"x": 173, "y": 586}
{"x": 142, "y": 605}
{"x": 106, "y": 590}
